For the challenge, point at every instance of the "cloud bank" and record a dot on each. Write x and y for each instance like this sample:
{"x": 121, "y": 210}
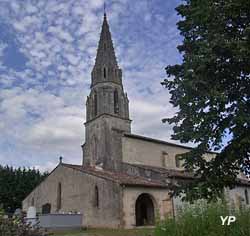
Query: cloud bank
{"x": 47, "y": 51}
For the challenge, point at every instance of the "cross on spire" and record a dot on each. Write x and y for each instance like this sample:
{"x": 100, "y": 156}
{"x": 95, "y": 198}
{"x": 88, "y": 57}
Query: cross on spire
{"x": 104, "y": 8}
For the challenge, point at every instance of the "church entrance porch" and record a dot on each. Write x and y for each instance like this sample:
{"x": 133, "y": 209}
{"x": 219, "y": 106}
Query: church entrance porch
{"x": 144, "y": 210}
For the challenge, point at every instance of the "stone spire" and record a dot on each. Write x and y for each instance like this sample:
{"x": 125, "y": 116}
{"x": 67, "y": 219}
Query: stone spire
{"x": 107, "y": 108}
{"x": 106, "y": 68}
{"x": 105, "y": 52}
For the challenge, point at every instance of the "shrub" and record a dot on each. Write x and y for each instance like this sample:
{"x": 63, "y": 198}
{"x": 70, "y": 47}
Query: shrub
{"x": 17, "y": 227}
{"x": 204, "y": 219}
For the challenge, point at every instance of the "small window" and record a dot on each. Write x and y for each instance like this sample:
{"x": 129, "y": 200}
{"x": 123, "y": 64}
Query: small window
{"x": 33, "y": 202}
{"x": 96, "y": 200}
{"x": 164, "y": 159}
{"x": 116, "y": 105}
{"x": 246, "y": 197}
{"x": 59, "y": 196}
{"x": 177, "y": 162}
{"x": 104, "y": 73}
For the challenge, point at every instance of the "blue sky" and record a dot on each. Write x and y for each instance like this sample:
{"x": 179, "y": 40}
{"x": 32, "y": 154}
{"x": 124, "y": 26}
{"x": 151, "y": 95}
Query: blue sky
{"x": 47, "y": 51}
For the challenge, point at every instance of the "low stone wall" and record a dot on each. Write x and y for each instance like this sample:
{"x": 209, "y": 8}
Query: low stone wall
{"x": 60, "y": 221}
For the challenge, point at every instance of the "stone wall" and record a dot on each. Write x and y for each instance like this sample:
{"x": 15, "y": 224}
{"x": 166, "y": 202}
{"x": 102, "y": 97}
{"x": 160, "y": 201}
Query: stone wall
{"x": 78, "y": 195}
{"x": 161, "y": 200}
{"x": 237, "y": 196}
{"x": 103, "y": 141}
{"x": 152, "y": 152}
{"x": 103, "y": 93}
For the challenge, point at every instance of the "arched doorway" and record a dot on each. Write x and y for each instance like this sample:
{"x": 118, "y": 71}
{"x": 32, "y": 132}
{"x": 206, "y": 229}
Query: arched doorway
{"x": 144, "y": 210}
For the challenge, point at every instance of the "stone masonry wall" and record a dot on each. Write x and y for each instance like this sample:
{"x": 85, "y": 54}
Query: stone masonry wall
{"x": 139, "y": 151}
{"x": 103, "y": 141}
{"x": 78, "y": 194}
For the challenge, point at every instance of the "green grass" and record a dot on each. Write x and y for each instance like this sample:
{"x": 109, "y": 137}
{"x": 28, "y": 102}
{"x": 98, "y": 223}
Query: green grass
{"x": 107, "y": 232}
{"x": 205, "y": 220}
{"x": 201, "y": 219}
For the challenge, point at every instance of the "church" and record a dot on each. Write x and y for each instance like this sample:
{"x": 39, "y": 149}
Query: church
{"x": 123, "y": 181}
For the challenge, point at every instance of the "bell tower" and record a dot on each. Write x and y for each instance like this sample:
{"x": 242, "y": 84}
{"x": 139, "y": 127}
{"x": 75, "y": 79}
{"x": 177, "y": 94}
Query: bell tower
{"x": 106, "y": 107}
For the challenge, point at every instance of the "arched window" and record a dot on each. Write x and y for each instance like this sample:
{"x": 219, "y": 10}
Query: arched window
{"x": 164, "y": 158}
{"x": 96, "y": 200}
{"x": 116, "y": 105}
{"x": 104, "y": 73}
{"x": 46, "y": 208}
{"x": 33, "y": 202}
{"x": 59, "y": 197}
{"x": 246, "y": 197}
{"x": 95, "y": 104}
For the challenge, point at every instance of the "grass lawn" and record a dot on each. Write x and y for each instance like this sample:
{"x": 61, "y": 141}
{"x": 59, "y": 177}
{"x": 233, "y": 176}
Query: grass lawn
{"x": 107, "y": 232}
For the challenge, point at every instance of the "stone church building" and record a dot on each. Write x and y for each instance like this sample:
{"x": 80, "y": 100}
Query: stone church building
{"x": 124, "y": 178}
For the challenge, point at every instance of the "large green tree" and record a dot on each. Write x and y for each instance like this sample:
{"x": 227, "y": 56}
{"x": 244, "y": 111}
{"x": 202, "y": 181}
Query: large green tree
{"x": 16, "y": 184}
{"x": 211, "y": 90}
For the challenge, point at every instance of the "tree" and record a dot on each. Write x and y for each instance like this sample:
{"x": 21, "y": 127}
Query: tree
{"x": 16, "y": 184}
{"x": 211, "y": 89}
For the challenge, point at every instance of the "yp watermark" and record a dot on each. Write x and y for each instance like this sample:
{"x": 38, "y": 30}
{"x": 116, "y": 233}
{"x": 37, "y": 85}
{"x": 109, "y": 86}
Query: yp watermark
{"x": 227, "y": 220}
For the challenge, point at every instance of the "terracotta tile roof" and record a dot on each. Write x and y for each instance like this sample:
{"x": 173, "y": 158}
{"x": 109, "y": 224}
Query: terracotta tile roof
{"x": 242, "y": 181}
{"x": 166, "y": 172}
{"x": 121, "y": 178}
{"x": 172, "y": 173}
{"x": 129, "y": 180}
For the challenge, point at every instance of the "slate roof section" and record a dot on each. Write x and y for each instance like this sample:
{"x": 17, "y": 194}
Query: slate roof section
{"x": 118, "y": 177}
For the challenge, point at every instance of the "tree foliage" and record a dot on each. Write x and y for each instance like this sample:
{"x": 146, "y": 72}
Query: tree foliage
{"x": 16, "y": 184}
{"x": 211, "y": 89}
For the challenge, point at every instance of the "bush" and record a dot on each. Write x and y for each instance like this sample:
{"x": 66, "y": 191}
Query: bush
{"x": 17, "y": 227}
{"x": 204, "y": 219}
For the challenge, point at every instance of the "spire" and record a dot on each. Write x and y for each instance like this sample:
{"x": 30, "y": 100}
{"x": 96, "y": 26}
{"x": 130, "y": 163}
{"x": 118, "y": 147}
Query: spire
{"x": 105, "y": 52}
{"x": 104, "y": 8}
{"x": 106, "y": 68}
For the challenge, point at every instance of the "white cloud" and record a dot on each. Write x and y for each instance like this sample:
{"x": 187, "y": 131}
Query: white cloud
{"x": 42, "y": 108}
{"x": 25, "y": 23}
{"x": 2, "y": 47}
{"x": 63, "y": 35}
{"x": 73, "y": 59}
{"x": 15, "y": 6}
{"x": 46, "y": 167}
{"x": 55, "y": 131}
{"x": 30, "y": 8}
